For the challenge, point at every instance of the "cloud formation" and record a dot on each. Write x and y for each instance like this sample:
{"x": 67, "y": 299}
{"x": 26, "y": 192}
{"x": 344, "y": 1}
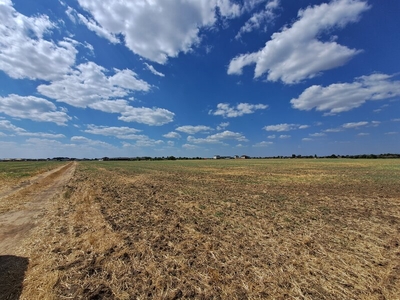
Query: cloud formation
{"x": 26, "y": 48}
{"x": 143, "y": 23}
{"x": 189, "y": 129}
{"x": 154, "y": 71}
{"x": 341, "y": 97}
{"x": 265, "y": 16}
{"x": 295, "y": 53}
{"x": 32, "y": 108}
{"x": 172, "y": 135}
{"x": 226, "y": 111}
{"x": 284, "y": 127}
{"x": 218, "y": 138}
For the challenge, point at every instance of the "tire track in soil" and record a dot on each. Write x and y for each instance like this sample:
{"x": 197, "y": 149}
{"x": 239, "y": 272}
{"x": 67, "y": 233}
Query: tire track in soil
{"x": 15, "y": 225}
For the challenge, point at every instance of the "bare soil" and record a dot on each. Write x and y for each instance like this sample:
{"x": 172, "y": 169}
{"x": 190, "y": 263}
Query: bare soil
{"x": 221, "y": 230}
{"x": 21, "y": 209}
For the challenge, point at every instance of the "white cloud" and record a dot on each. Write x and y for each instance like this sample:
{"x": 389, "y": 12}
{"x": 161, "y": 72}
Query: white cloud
{"x": 375, "y": 123}
{"x": 354, "y": 124}
{"x": 172, "y": 135}
{"x": 263, "y": 144}
{"x": 100, "y": 31}
{"x": 222, "y": 125}
{"x": 8, "y": 126}
{"x": 391, "y": 133}
{"x": 154, "y": 71}
{"x": 26, "y": 49}
{"x": 158, "y": 29}
{"x": 334, "y": 130}
{"x": 110, "y": 106}
{"x": 284, "y": 136}
{"x": 350, "y": 125}
{"x": 307, "y": 139}
{"x": 150, "y": 116}
{"x": 271, "y": 136}
{"x": 317, "y": 134}
{"x": 267, "y": 15}
{"x": 143, "y": 141}
{"x": 284, "y": 127}
{"x": 363, "y": 134}
{"x": 110, "y": 130}
{"x": 32, "y": 108}
{"x": 218, "y": 138}
{"x": 225, "y": 110}
{"x": 193, "y": 129}
{"x": 88, "y": 84}
{"x": 304, "y": 126}
{"x": 90, "y": 142}
{"x": 395, "y": 120}
{"x": 295, "y": 53}
{"x": 341, "y": 97}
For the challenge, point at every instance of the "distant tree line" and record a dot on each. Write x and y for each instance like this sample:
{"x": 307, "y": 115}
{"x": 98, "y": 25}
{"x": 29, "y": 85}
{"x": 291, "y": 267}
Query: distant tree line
{"x": 149, "y": 158}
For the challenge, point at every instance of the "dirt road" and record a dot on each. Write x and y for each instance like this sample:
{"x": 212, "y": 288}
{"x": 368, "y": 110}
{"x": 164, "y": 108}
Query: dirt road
{"x": 32, "y": 196}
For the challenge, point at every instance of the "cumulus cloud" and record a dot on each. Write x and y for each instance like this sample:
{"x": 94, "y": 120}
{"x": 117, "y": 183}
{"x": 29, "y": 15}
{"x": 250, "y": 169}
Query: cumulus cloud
{"x": 222, "y": 126}
{"x": 284, "y": 127}
{"x": 15, "y": 130}
{"x": 143, "y": 23}
{"x": 32, "y": 108}
{"x": 341, "y": 97}
{"x": 154, "y": 71}
{"x": 284, "y": 136}
{"x": 265, "y": 16}
{"x": 96, "y": 28}
{"x": 295, "y": 53}
{"x": 218, "y": 138}
{"x": 225, "y": 110}
{"x": 189, "y": 129}
{"x": 26, "y": 48}
{"x": 172, "y": 135}
{"x": 150, "y": 116}
{"x": 88, "y": 84}
{"x": 145, "y": 141}
{"x": 110, "y": 130}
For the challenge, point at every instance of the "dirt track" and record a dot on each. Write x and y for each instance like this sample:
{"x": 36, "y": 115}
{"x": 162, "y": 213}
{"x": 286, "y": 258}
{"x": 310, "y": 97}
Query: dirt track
{"x": 35, "y": 192}
{"x": 31, "y": 198}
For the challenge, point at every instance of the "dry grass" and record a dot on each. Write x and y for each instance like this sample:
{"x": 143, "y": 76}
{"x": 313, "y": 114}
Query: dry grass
{"x": 221, "y": 230}
{"x": 19, "y": 193}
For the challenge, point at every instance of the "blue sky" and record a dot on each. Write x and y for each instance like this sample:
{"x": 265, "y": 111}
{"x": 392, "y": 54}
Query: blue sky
{"x": 94, "y": 78}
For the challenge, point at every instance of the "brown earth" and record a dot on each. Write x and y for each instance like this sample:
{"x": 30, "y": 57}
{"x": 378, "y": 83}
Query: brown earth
{"x": 136, "y": 231}
{"x": 22, "y": 207}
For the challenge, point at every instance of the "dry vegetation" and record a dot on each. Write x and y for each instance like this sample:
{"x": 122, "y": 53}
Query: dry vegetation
{"x": 254, "y": 229}
{"x": 18, "y": 181}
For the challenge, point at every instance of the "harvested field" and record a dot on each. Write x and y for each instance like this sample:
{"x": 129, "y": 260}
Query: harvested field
{"x": 231, "y": 229}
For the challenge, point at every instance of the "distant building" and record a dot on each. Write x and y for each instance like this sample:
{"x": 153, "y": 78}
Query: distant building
{"x": 217, "y": 157}
{"x": 245, "y": 157}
